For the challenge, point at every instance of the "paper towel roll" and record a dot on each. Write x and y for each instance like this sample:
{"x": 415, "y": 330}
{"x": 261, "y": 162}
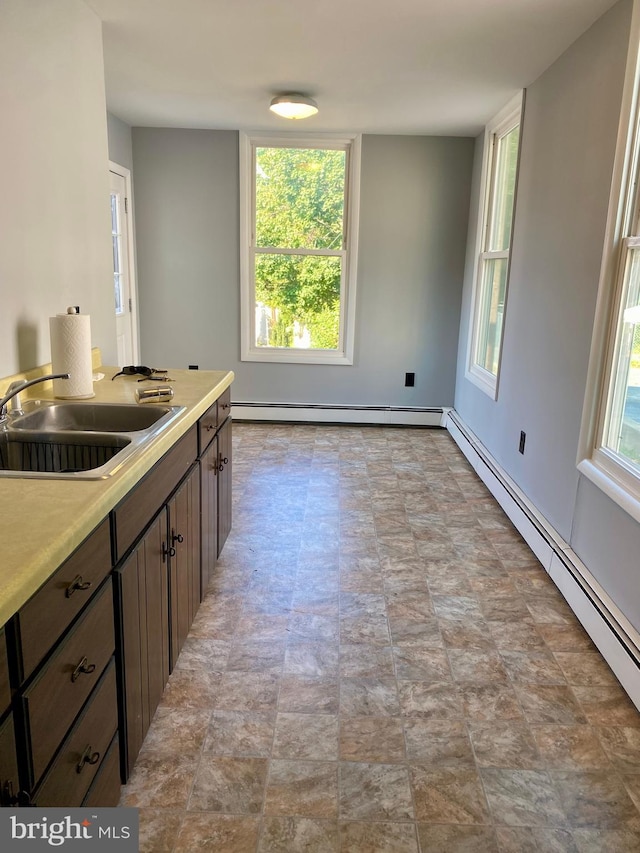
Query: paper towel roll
{"x": 71, "y": 353}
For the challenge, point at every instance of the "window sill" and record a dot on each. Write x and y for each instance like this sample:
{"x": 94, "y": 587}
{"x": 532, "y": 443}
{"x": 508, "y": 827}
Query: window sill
{"x": 599, "y": 473}
{"x": 484, "y": 380}
{"x": 293, "y": 356}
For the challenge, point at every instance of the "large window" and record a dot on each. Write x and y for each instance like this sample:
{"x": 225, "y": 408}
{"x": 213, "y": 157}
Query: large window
{"x": 298, "y": 233}
{"x": 610, "y": 438}
{"x": 498, "y": 186}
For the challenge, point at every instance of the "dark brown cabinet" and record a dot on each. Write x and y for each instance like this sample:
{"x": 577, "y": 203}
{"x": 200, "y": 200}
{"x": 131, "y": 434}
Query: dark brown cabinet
{"x": 80, "y": 756}
{"x": 224, "y": 484}
{"x": 215, "y": 475}
{"x": 84, "y": 663}
{"x": 142, "y": 627}
{"x": 184, "y": 559}
{"x": 62, "y": 644}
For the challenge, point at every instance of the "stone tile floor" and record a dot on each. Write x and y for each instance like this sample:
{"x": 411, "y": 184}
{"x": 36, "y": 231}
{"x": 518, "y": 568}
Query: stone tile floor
{"x": 381, "y": 664}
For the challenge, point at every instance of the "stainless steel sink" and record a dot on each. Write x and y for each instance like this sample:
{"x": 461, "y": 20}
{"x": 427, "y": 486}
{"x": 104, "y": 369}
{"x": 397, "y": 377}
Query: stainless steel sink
{"x": 86, "y": 441}
{"x": 97, "y": 417}
{"x": 56, "y": 453}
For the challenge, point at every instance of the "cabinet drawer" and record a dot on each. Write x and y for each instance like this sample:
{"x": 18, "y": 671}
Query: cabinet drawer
{"x": 72, "y": 772}
{"x": 141, "y": 504}
{"x": 105, "y": 788}
{"x": 68, "y": 678}
{"x": 5, "y": 689}
{"x": 9, "y": 784}
{"x": 49, "y": 612}
{"x": 207, "y": 426}
{"x": 213, "y": 418}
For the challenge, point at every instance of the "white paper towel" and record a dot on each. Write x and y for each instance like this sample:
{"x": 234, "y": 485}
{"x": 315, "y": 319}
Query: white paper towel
{"x": 71, "y": 353}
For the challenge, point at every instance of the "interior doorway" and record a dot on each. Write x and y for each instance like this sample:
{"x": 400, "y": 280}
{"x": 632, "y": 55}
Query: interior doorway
{"x": 124, "y": 285}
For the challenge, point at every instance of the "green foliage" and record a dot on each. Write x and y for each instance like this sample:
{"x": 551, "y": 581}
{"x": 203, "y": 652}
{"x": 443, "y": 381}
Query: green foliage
{"x": 300, "y": 204}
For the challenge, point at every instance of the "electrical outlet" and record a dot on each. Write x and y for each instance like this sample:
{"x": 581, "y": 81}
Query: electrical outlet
{"x": 409, "y": 380}
{"x": 523, "y": 438}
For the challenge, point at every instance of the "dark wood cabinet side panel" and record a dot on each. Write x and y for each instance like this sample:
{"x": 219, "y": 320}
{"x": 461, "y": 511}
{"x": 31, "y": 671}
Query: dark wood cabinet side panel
{"x": 143, "y": 502}
{"x": 49, "y": 612}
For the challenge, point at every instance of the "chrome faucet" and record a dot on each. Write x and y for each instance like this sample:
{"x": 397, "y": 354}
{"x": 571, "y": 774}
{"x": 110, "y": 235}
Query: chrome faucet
{"x": 19, "y": 385}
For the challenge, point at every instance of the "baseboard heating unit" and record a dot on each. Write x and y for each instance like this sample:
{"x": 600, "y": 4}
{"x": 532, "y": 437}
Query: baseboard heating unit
{"x": 341, "y": 414}
{"x": 612, "y": 633}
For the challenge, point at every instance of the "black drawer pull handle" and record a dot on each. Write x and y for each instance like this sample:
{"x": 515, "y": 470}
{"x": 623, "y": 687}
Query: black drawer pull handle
{"x": 176, "y": 537}
{"x": 209, "y": 427}
{"x": 88, "y": 757}
{"x": 76, "y": 583}
{"x": 222, "y": 461}
{"x": 167, "y": 552}
{"x": 83, "y": 667}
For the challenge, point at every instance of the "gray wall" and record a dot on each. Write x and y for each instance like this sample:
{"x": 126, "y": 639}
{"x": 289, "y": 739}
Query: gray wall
{"x": 54, "y": 225}
{"x": 568, "y": 146}
{"x": 414, "y": 208}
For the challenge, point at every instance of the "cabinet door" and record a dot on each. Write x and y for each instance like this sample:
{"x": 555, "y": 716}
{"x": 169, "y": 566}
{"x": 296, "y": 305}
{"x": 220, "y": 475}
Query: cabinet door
{"x": 184, "y": 542}
{"x": 224, "y": 483}
{"x": 142, "y": 607}
{"x": 208, "y": 514}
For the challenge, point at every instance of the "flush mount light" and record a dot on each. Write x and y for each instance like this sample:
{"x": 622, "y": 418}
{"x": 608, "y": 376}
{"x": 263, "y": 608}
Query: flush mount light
{"x": 293, "y": 106}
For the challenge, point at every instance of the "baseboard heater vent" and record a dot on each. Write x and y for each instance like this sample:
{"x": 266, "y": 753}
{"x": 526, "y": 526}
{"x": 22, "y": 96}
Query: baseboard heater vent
{"x": 615, "y": 637}
{"x": 341, "y": 414}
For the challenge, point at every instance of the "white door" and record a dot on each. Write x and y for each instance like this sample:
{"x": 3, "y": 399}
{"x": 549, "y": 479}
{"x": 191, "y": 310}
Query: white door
{"x": 124, "y": 289}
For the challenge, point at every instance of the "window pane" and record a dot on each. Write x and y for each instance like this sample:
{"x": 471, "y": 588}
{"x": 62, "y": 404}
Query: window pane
{"x": 501, "y": 216}
{"x": 297, "y": 301}
{"x": 491, "y": 311}
{"x": 300, "y": 198}
{"x": 623, "y": 434}
{"x": 117, "y": 285}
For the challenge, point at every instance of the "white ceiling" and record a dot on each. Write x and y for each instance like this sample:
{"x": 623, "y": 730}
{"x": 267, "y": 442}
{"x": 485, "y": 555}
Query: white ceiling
{"x": 441, "y": 67}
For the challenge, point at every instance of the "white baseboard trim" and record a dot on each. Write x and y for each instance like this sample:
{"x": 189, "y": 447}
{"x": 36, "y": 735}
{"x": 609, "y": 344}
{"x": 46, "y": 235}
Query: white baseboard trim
{"x": 339, "y": 414}
{"x": 612, "y": 633}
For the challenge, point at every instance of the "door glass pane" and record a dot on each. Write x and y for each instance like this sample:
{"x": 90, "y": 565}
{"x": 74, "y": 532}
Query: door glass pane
{"x": 623, "y": 433}
{"x": 501, "y": 215}
{"x": 491, "y": 312}
{"x": 116, "y": 249}
{"x": 297, "y": 301}
{"x": 300, "y": 198}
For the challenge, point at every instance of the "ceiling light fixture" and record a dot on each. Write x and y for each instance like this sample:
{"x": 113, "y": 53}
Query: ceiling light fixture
{"x": 293, "y": 105}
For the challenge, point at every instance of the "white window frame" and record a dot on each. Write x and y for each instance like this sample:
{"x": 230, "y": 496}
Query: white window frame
{"x": 607, "y": 469}
{"x": 343, "y": 355}
{"x": 500, "y": 125}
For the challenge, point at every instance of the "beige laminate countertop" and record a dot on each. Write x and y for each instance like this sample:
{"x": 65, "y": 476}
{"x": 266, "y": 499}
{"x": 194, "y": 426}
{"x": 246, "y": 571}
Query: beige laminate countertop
{"x": 43, "y": 521}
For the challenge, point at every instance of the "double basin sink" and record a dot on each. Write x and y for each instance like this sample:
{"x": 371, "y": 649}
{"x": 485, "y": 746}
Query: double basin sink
{"x": 78, "y": 440}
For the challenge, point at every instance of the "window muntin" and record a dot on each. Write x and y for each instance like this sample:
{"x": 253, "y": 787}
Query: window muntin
{"x": 299, "y": 232}
{"x": 502, "y": 139}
